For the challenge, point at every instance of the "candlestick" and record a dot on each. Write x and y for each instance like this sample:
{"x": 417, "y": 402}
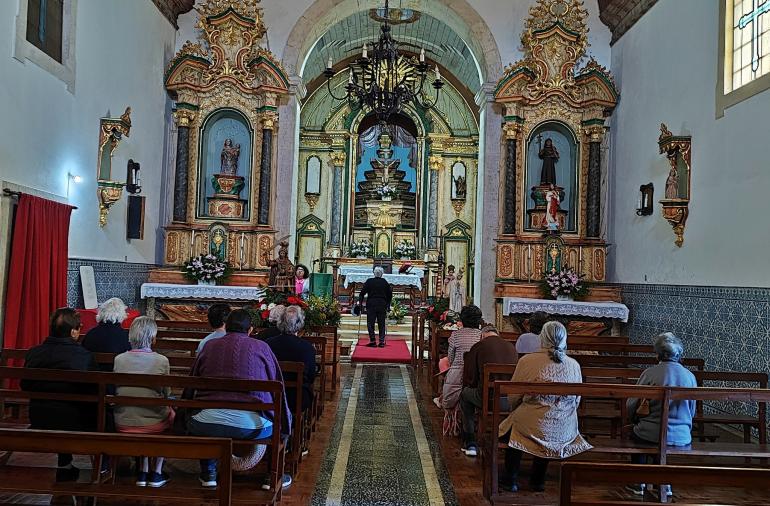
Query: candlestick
{"x": 580, "y": 259}
{"x": 364, "y": 54}
{"x": 192, "y": 244}
{"x": 438, "y": 74}
{"x": 529, "y": 262}
{"x": 422, "y": 55}
{"x": 329, "y": 63}
{"x": 243, "y": 239}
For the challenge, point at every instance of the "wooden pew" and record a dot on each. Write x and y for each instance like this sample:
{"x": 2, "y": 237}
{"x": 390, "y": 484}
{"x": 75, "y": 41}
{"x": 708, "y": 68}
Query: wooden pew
{"x": 575, "y": 474}
{"x": 490, "y": 374}
{"x": 332, "y": 339}
{"x": 577, "y": 338}
{"x": 632, "y": 361}
{"x": 292, "y": 380}
{"x": 165, "y": 346}
{"x": 319, "y": 343}
{"x": 195, "y": 326}
{"x": 195, "y": 335}
{"x": 41, "y": 480}
{"x": 492, "y": 445}
{"x": 747, "y": 421}
{"x": 101, "y": 380}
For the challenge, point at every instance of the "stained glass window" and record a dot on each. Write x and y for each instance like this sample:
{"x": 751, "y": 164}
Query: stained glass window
{"x": 748, "y": 43}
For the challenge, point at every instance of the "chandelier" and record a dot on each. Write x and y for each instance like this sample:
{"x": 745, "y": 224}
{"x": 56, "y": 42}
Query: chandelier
{"x": 383, "y": 80}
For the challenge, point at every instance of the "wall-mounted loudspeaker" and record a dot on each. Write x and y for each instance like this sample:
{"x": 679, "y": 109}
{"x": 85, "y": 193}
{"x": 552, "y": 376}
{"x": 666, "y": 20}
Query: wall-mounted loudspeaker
{"x": 135, "y": 217}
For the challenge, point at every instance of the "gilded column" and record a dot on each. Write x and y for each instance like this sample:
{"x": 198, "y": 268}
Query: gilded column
{"x": 593, "y": 202}
{"x": 338, "y": 163}
{"x": 183, "y": 118}
{"x": 509, "y": 207}
{"x": 435, "y": 163}
{"x": 265, "y": 168}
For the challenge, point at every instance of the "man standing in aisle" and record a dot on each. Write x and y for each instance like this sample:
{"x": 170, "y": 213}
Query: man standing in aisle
{"x": 379, "y": 296}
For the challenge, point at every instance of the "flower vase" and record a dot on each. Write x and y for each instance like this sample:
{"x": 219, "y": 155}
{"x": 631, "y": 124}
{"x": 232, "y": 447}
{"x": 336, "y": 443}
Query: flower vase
{"x": 565, "y": 297}
{"x": 387, "y": 198}
{"x": 205, "y": 282}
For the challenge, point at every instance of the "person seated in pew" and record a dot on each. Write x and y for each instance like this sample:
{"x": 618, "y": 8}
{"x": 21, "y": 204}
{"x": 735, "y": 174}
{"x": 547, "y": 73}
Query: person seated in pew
{"x": 289, "y": 348}
{"x": 108, "y": 336}
{"x": 236, "y": 355}
{"x": 217, "y": 315}
{"x": 645, "y": 414}
{"x": 144, "y": 419}
{"x": 491, "y": 349}
{"x": 272, "y": 329}
{"x": 60, "y": 350}
{"x": 545, "y": 427}
{"x": 529, "y": 342}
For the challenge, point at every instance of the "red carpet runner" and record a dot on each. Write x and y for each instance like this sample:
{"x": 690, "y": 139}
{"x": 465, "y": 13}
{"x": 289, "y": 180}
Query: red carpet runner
{"x": 395, "y": 351}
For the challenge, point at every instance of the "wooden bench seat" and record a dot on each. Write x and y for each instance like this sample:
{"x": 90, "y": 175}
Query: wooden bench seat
{"x": 719, "y": 479}
{"x": 40, "y": 480}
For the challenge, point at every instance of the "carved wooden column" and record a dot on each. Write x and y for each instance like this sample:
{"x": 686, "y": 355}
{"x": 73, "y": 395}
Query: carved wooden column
{"x": 183, "y": 119}
{"x": 265, "y": 168}
{"x": 509, "y": 207}
{"x": 338, "y": 163}
{"x": 594, "y": 136}
{"x": 435, "y": 163}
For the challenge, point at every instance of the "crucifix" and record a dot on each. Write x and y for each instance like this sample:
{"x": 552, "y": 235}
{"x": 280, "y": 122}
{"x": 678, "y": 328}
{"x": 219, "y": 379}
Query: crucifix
{"x": 753, "y": 18}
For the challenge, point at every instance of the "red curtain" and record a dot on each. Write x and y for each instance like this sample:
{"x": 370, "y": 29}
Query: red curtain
{"x": 37, "y": 279}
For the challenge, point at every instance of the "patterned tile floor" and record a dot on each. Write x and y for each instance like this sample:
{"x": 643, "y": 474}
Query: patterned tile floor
{"x": 382, "y": 451}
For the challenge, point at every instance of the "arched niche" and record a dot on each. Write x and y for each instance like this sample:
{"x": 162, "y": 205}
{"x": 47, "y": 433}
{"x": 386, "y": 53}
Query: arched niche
{"x": 215, "y": 131}
{"x": 566, "y": 144}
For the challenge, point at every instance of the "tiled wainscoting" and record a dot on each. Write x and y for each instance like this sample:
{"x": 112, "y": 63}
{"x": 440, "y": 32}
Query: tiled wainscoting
{"x": 113, "y": 279}
{"x": 729, "y": 327}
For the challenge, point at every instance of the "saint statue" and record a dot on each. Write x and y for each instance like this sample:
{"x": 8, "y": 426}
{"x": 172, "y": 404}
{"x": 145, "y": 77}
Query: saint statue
{"x": 551, "y": 218}
{"x": 282, "y": 270}
{"x": 448, "y": 278}
{"x": 217, "y": 245}
{"x": 456, "y": 293}
{"x": 460, "y": 187}
{"x": 229, "y": 158}
{"x": 672, "y": 184}
{"x": 550, "y": 156}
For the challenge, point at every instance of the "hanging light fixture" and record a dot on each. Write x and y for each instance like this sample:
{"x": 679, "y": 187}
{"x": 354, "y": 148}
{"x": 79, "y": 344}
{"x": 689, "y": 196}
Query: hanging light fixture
{"x": 383, "y": 81}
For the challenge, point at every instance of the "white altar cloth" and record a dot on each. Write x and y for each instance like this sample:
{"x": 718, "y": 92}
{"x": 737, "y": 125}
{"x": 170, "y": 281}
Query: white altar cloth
{"x": 174, "y": 291}
{"x": 393, "y": 279}
{"x": 344, "y": 270}
{"x": 518, "y": 305}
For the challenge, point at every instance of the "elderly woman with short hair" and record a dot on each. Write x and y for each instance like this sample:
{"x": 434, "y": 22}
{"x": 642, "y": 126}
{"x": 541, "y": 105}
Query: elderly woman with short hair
{"x": 545, "y": 426}
{"x": 108, "y": 336}
{"x": 288, "y": 347}
{"x": 668, "y": 373}
{"x": 145, "y": 419}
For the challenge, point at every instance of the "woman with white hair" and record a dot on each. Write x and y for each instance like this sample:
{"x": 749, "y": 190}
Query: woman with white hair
{"x": 545, "y": 426}
{"x": 379, "y": 294}
{"x": 108, "y": 336}
{"x": 145, "y": 419}
{"x": 646, "y": 413}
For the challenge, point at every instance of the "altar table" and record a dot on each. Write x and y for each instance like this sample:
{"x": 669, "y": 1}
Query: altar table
{"x": 345, "y": 270}
{"x": 169, "y": 291}
{"x": 603, "y": 311}
{"x": 393, "y": 279}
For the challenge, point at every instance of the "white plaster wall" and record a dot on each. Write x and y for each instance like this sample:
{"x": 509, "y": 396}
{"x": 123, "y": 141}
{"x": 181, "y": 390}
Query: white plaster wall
{"x": 45, "y": 131}
{"x": 666, "y": 70}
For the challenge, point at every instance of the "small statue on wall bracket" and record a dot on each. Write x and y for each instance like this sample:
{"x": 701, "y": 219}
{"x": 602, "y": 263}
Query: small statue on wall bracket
{"x": 672, "y": 184}
{"x": 229, "y": 158}
{"x": 550, "y": 155}
{"x": 551, "y": 218}
{"x": 461, "y": 187}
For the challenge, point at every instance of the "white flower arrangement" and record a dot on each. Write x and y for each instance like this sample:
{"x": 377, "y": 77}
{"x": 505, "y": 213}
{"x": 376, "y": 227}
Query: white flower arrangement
{"x": 206, "y": 268}
{"x": 362, "y": 248}
{"x": 387, "y": 191}
{"x": 405, "y": 249}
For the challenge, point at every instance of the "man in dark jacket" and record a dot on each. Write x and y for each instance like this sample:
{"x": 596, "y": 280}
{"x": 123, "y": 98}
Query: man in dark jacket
{"x": 379, "y": 296}
{"x": 60, "y": 350}
{"x": 490, "y": 349}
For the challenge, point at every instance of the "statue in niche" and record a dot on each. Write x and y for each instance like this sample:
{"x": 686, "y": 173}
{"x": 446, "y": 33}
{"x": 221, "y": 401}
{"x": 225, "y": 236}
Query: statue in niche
{"x": 461, "y": 187}
{"x": 549, "y": 154}
{"x": 672, "y": 184}
{"x": 551, "y": 218}
{"x": 456, "y": 292}
{"x": 282, "y": 270}
{"x": 448, "y": 278}
{"x": 217, "y": 246}
{"x": 229, "y": 158}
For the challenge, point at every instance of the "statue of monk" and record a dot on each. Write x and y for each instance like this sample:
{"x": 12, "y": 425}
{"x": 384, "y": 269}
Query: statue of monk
{"x": 282, "y": 270}
{"x": 550, "y": 156}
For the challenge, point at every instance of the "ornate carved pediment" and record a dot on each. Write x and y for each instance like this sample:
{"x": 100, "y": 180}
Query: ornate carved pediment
{"x": 230, "y": 51}
{"x": 554, "y": 40}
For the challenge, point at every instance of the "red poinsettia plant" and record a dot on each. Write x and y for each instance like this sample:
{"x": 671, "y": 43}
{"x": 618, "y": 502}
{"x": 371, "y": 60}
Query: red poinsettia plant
{"x": 260, "y": 312}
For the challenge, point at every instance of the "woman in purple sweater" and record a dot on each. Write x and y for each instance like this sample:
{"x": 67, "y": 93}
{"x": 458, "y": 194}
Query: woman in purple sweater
{"x": 238, "y": 356}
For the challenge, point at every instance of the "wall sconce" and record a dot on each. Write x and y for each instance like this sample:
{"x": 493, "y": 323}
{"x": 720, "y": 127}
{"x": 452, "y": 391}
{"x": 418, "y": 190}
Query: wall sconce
{"x": 75, "y": 178}
{"x": 133, "y": 178}
{"x": 644, "y": 206}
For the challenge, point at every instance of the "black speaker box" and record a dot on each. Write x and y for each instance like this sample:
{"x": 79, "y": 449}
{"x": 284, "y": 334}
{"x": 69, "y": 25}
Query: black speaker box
{"x": 135, "y": 217}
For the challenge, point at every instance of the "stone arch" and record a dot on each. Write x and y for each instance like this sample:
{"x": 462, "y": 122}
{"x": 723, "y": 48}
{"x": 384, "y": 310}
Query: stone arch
{"x": 457, "y": 14}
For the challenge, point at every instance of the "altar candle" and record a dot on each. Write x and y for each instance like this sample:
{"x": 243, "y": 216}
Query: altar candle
{"x": 580, "y": 259}
{"x": 243, "y": 244}
{"x": 529, "y": 261}
{"x": 192, "y": 244}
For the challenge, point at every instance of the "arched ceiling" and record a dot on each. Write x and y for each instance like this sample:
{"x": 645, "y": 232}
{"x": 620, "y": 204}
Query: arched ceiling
{"x": 344, "y": 40}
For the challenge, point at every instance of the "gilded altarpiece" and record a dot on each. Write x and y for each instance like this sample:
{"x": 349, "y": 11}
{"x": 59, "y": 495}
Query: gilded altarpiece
{"x": 555, "y": 104}
{"x": 227, "y": 89}
{"x": 426, "y": 156}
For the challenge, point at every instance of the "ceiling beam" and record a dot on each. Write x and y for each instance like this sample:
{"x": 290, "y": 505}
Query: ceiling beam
{"x": 171, "y": 9}
{"x": 620, "y": 15}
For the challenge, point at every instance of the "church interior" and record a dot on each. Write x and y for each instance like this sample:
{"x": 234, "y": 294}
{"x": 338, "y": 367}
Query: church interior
{"x": 384, "y": 252}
